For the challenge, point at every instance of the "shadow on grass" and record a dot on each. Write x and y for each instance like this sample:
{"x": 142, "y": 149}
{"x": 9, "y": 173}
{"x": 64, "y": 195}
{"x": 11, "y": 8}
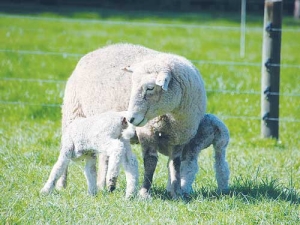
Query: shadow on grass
{"x": 247, "y": 190}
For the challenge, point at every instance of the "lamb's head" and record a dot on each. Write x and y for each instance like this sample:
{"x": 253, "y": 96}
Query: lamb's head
{"x": 154, "y": 91}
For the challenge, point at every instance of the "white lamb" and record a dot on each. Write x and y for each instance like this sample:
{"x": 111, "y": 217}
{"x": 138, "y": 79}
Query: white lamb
{"x": 107, "y": 133}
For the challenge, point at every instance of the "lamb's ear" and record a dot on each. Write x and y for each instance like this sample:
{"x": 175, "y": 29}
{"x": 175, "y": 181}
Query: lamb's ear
{"x": 163, "y": 79}
{"x": 128, "y": 69}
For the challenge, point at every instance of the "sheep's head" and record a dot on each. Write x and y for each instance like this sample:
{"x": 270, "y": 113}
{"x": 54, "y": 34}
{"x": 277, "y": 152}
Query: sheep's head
{"x": 153, "y": 92}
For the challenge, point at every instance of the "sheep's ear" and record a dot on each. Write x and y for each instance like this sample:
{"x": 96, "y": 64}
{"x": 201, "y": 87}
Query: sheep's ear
{"x": 163, "y": 80}
{"x": 127, "y": 69}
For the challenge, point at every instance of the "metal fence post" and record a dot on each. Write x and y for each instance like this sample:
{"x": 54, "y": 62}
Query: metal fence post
{"x": 271, "y": 69}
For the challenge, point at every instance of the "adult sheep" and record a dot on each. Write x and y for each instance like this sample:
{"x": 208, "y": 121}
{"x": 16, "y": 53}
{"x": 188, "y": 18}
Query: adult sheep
{"x": 163, "y": 93}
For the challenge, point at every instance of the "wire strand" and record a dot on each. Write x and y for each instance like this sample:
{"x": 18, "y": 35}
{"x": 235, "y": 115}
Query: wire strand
{"x": 139, "y": 24}
{"x": 215, "y": 62}
{"x": 17, "y": 103}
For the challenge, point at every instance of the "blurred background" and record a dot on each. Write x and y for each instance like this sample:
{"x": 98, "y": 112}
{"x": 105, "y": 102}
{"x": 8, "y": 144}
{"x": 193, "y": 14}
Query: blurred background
{"x": 173, "y": 5}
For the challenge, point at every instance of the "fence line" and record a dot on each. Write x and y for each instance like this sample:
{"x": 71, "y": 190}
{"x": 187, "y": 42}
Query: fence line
{"x": 214, "y": 62}
{"x": 135, "y": 23}
{"x": 32, "y": 80}
{"x": 29, "y": 104}
{"x": 222, "y": 91}
{"x": 221, "y": 116}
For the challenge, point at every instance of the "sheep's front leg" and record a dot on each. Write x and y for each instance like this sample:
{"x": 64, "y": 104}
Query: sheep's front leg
{"x": 58, "y": 169}
{"x": 102, "y": 170}
{"x": 174, "y": 172}
{"x": 150, "y": 161}
{"x": 91, "y": 174}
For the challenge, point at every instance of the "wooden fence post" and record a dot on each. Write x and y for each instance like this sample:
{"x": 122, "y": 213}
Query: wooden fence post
{"x": 271, "y": 69}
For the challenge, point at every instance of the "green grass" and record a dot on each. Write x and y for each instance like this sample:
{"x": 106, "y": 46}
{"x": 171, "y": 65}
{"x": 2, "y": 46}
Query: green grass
{"x": 38, "y": 53}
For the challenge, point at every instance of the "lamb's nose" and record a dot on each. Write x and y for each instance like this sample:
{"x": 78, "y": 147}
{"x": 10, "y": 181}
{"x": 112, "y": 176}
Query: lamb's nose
{"x": 131, "y": 119}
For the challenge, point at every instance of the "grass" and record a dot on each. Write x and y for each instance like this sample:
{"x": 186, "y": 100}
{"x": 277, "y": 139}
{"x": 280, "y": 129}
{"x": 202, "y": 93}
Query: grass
{"x": 38, "y": 52}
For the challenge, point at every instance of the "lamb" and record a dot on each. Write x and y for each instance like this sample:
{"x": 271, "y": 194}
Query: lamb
{"x": 163, "y": 93}
{"x": 85, "y": 138}
{"x": 211, "y": 131}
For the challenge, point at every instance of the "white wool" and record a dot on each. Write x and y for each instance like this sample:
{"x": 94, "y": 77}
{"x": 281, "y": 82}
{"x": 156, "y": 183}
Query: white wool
{"x": 84, "y": 138}
{"x": 173, "y": 103}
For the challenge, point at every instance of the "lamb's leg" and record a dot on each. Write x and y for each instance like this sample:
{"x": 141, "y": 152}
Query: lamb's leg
{"x": 189, "y": 164}
{"x": 58, "y": 169}
{"x": 150, "y": 159}
{"x": 62, "y": 181}
{"x": 131, "y": 172}
{"x": 102, "y": 170}
{"x": 117, "y": 152}
{"x": 91, "y": 174}
{"x": 221, "y": 165}
{"x": 174, "y": 172}
{"x": 189, "y": 168}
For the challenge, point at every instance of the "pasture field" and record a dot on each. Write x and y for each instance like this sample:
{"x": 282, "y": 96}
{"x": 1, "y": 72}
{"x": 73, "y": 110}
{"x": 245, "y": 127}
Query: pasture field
{"x": 38, "y": 52}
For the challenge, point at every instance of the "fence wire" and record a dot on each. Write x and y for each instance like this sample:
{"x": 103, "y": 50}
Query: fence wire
{"x": 140, "y": 24}
{"x": 196, "y": 61}
{"x": 145, "y": 24}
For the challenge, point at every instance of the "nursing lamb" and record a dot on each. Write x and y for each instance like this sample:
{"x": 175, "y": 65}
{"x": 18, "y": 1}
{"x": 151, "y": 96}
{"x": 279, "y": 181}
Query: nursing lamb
{"x": 163, "y": 93}
{"x": 211, "y": 131}
{"x": 85, "y": 138}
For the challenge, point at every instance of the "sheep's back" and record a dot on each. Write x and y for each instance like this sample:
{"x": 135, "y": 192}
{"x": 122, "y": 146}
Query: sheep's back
{"x": 98, "y": 83}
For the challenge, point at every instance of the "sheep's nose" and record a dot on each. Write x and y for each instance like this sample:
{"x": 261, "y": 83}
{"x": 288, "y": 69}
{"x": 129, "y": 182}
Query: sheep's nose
{"x": 131, "y": 119}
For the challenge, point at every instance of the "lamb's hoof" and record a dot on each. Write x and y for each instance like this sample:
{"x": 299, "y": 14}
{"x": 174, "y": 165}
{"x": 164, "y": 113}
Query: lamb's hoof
{"x": 101, "y": 186}
{"x": 224, "y": 191}
{"x": 129, "y": 196}
{"x": 186, "y": 197}
{"x": 144, "y": 194}
{"x": 176, "y": 194}
{"x": 111, "y": 188}
{"x": 45, "y": 192}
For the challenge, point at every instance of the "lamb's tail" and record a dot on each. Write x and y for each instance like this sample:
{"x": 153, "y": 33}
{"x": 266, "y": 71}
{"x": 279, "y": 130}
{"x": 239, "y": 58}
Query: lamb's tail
{"x": 129, "y": 132}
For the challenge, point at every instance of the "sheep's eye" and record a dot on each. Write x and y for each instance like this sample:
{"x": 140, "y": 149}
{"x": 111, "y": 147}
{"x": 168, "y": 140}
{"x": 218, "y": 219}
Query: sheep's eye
{"x": 150, "y": 88}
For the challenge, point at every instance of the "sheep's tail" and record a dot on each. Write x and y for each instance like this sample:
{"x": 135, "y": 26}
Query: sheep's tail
{"x": 129, "y": 132}
{"x": 71, "y": 108}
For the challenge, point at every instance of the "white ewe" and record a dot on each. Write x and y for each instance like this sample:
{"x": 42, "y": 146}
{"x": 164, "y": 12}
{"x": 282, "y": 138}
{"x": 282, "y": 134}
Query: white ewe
{"x": 86, "y": 137}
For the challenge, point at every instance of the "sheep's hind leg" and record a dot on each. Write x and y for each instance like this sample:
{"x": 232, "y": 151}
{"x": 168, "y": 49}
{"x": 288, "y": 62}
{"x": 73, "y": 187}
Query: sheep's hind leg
{"x": 91, "y": 174}
{"x": 58, "y": 169}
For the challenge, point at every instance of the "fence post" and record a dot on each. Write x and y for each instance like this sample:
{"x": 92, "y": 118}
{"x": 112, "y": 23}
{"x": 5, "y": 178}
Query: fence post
{"x": 271, "y": 69}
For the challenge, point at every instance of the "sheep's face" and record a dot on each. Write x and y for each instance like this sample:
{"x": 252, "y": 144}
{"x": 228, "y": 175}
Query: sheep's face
{"x": 152, "y": 95}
